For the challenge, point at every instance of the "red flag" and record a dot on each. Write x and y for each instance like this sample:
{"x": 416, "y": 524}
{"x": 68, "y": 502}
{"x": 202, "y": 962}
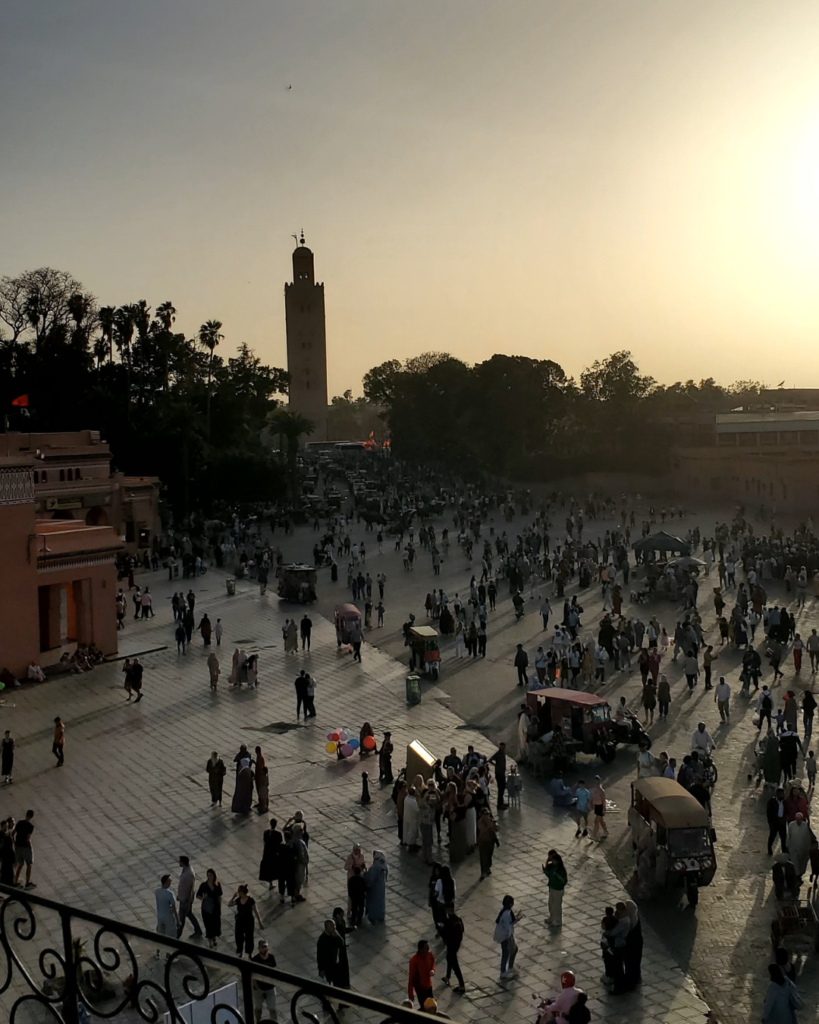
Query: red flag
{"x": 21, "y": 402}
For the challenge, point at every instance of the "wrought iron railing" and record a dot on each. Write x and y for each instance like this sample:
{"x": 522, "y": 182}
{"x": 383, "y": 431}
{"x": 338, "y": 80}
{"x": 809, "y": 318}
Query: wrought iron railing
{"x": 81, "y": 966}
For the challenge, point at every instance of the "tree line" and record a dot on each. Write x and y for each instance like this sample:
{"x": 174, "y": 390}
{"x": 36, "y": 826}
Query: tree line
{"x": 527, "y": 419}
{"x": 169, "y": 405}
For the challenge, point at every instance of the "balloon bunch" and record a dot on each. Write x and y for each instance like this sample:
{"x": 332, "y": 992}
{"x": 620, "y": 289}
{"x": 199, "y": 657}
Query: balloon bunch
{"x": 341, "y": 745}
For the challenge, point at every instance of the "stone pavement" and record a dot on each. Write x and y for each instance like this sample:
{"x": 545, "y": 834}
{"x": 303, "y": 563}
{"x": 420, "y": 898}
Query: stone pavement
{"x": 725, "y": 944}
{"x": 133, "y": 795}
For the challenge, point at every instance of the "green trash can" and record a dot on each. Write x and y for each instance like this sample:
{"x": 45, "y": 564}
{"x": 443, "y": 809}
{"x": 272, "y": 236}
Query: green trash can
{"x": 231, "y": 587}
{"x": 413, "y": 689}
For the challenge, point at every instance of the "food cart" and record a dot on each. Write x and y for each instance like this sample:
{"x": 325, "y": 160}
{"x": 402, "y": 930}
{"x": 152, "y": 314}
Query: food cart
{"x": 671, "y": 836}
{"x": 297, "y": 583}
{"x": 584, "y": 717}
{"x": 424, "y": 653}
{"x": 345, "y": 617}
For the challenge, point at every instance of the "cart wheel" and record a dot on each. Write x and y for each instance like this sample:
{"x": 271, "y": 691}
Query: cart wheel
{"x": 714, "y": 774}
{"x": 693, "y": 893}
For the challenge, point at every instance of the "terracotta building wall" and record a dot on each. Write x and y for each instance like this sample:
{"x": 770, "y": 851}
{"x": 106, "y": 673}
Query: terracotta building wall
{"x": 19, "y": 617}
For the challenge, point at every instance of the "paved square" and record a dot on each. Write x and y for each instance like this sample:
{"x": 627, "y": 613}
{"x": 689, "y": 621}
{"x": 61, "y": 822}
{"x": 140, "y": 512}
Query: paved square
{"x": 133, "y": 796}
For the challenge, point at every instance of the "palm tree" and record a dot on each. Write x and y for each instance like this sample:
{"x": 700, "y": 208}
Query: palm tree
{"x": 106, "y": 322}
{"x": 209, "y": 337}
{"x": 291, "y": 425}
{"x": 166, "y": 314}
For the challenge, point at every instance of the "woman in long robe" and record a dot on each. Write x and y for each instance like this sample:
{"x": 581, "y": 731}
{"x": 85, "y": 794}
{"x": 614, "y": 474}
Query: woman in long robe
{"x": 471, "y": 818}
{"x": 243, "y": 793}
{"x": 376, "y": 903}
{"x": 262, "y": 783}
{"x": 771, "y": 764}
{"x": 411, "y": 837}
{"x": 270, "y": 865}
{"x": 216, "y": 776}
{"x": 458, "y": 848}
{"x": 523, "y": 728}
{"x": 291, "y": 637}
{"x": 233, "y": 678}
{"x": 213, "y": 669}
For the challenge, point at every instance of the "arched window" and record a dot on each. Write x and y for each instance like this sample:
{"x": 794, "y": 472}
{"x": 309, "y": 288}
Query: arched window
{"x": 36, "y": 477}
{"x": 77, "y": 474}
{"x": 45, "y": 477}
{"x": 62, "y": 475}
{"x": 71, "y": 474}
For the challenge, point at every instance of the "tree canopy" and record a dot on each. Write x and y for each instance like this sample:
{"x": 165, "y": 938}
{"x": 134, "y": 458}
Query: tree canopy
{"x": 168, "y": 405}
{"x": 526, "y": 418}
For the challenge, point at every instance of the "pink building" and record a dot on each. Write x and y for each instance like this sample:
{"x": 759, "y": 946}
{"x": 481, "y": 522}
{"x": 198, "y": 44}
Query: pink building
{"x": 57, "y": 577}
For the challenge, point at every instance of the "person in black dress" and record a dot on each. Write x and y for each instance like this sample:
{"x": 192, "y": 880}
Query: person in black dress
{"x": 7, "y": 855}
{"x": 270, "y": 867}
{"x": 246, "y": 912}
{"x": 210, "y": 893}
{"x": 7, "y": 756}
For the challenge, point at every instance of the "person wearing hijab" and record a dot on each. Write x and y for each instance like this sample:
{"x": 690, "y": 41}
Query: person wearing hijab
{"x": 233, "y": 678}
{"x": 243, "y": 793}
{"x": 262, "y": 783}
{"x": 411, "y": 818}
{"x": 213, "y": 669}
{"x": 633, "y": 952}
{"x": 523, "y": 732}
{"x": 799, "y": 837}
{"x": 270, "y": 865}
{"x": 216, "y": 776}
{"x": 355, "y": 859}
{"x": 377, "y": 874}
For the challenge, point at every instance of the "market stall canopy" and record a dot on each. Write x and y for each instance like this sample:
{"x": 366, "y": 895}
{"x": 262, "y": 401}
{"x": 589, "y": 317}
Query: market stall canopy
{"x": 688, "y": 562}
{"x": 662, "y": 541}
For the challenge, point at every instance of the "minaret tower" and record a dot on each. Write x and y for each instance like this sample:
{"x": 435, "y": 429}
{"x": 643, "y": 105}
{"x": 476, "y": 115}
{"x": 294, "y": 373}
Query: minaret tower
{"x": 306, "y": 342}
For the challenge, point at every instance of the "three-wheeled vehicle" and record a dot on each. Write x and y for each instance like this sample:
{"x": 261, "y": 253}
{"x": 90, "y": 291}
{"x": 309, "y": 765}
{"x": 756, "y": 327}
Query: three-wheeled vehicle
{"x": 424, "y": 654}
{"x": 297, "y": 583}
{"x": 672, "y": 831}
{"x": 345, "y": 617}
{"x": 584, "y": 718}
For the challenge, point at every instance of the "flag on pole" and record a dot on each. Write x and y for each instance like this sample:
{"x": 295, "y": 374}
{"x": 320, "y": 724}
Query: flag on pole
{"x": 21, "y": 402}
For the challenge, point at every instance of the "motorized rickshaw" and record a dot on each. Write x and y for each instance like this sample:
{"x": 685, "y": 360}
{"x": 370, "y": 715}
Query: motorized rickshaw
{"x": 345, "y": 617}
{"x": 672, "y": 837}
{"x": 424, "y": 654}
{"x": 297, "y": 582}
{"x": 584, "y": 718}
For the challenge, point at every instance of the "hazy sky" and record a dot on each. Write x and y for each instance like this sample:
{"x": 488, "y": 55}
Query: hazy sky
{"x": 546, "y": 178}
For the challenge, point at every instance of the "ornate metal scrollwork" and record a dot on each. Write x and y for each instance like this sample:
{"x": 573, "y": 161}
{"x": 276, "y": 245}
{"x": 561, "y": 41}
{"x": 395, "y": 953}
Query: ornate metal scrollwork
{"x": 82, "y": 971}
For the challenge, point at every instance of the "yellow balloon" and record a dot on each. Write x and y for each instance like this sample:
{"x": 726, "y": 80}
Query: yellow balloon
{"x": 330, "y": 747}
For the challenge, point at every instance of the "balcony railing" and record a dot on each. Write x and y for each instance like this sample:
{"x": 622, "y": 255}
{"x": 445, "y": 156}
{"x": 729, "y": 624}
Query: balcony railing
{"x": 66, "y": 966}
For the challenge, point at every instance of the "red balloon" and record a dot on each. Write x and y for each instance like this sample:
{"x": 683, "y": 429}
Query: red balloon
{"x": 369, "y": 742}
{"x": 335, "y": 736}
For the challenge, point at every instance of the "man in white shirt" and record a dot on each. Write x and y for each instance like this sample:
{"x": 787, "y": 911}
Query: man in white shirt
{"x": 722, "y": 696}
{"x": 701, "y": 740}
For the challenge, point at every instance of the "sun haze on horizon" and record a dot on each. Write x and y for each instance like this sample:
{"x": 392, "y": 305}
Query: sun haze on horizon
{"x": 557, "y": 181}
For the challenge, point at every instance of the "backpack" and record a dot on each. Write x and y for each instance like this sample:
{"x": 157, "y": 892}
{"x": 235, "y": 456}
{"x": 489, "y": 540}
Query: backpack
{"x": 767, "y": 703}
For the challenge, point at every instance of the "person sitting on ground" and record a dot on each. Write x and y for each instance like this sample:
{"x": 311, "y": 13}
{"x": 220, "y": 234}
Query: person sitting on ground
{"x": 35, "y": 673}
{"x": 562, "y": 795}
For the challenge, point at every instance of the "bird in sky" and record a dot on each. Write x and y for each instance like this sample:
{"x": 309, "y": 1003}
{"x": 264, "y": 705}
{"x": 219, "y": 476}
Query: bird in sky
{"x": 290, "y": 87}
{"x": 781, "y": 384}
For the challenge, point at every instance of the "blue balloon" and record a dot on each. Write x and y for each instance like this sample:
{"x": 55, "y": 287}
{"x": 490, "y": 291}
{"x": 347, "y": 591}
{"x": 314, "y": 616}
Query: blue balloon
{"x": 355, "y": 744}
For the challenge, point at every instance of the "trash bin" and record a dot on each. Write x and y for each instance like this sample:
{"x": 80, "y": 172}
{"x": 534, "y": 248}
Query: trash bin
{"x": 413, "y": 689}
{"x": 231, "y": 587}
